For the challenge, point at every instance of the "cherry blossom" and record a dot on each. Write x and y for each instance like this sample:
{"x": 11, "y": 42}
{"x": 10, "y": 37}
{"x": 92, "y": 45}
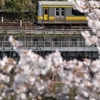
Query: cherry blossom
{"x": 35, "y": 78}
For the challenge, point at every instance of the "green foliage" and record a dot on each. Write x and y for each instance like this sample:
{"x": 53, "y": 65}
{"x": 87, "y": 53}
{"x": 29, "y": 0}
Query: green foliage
{"x": 15, "y": 5}
{"x": 19, "y": 7}
{"x": 2, "y": 2}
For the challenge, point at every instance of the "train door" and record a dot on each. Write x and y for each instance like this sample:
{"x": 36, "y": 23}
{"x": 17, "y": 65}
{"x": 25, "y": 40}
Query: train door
{"x": 62, "y": 15}
{"x": 45, "y": 16}
{"x": 59, "y": 14}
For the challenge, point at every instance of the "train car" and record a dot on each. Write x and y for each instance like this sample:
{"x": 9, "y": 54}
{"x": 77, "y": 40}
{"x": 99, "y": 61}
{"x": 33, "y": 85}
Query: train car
{"x": 59, "y": 13}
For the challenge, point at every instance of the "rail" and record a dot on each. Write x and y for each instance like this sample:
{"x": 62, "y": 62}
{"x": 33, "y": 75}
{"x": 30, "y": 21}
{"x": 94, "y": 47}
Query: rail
{"x": 39, "y": 30}
{"x": 50, "y": 46}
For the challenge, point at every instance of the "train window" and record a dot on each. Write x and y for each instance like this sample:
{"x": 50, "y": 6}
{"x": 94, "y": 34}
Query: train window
{"x": 45, "y": 11}
{"x": 62, "y": 11}
{"x": 77, "y": 13}
{"x": 57, "y": 11}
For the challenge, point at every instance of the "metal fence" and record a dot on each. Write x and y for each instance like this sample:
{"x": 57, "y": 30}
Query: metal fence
{"x": 50, "y": 46}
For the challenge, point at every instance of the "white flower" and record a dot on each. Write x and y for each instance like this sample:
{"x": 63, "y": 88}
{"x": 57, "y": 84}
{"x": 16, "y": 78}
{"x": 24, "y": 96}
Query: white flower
{"x": 82, "y": 85}
{"x": 98, "y": 33}
{"x": 75, "y": 61}
{"x": 77, "y": 80}
{"x": 91, "y": 98}
{"x": 2, "y": 63}
{"x": 43, "y": 72}
{"x": 11, "y": 38}
{"x": 32, "y": 79}
{"x": 3, "y": 94}
{"x": 80, "y": 64}
{"x": 16, "y": 44}
{"x": 94, "y": 68}
{"x": 86, "y": 94}
{"x": 94, "y": 4}
{"x": 92, "y": 16}
{"x": 79, "y": 8}
{"x": 97, "y": 11}
{"x": 41, "y": 88}
{"x": 7, "y": 79}
{"x": 4, "y": 78}
{"x": 94, "y": 25}
{"x": 20, "y": 88}
{"x": 91, "y": 24}
{"x": 41, "y": 62}
{"x": 19, "y": 78}
{"x": 91, "y": 40}
{"x": 87, "y": 62}
{"x": 96, "y": 84}
{"x": 23, "y": 96}
{"x": 1, "y": 98}
{"x": 85, "y": 34}
{"x": 86, "y": 76}
{"x": 94, "y": 39}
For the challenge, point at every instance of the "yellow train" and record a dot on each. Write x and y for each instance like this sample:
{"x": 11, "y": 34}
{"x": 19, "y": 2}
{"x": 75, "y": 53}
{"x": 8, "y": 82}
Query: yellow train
{"x": 59, "y": 13}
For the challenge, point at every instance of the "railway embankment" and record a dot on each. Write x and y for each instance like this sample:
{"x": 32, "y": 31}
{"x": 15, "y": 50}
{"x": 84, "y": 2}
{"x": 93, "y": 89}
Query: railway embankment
{"x": 43, "y": 41}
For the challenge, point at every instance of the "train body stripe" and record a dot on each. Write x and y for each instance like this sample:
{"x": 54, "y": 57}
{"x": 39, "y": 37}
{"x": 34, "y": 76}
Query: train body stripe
{"x": 46, "y": 17}
{"x": 40, "y": 17}
{"x": 51, "y": 18}
{"x": 70, "y": 18}
{"x": 74, "y": 18}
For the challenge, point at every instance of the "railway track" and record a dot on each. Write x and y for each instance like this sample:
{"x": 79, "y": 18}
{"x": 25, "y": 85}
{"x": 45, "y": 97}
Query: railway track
{"x": 30, "y": 28}
{"x": 50, "y": 26}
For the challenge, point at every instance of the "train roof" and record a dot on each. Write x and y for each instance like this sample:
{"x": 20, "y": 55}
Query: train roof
{"x": 51, "y": 3}
{"x": 57, "y": 3}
